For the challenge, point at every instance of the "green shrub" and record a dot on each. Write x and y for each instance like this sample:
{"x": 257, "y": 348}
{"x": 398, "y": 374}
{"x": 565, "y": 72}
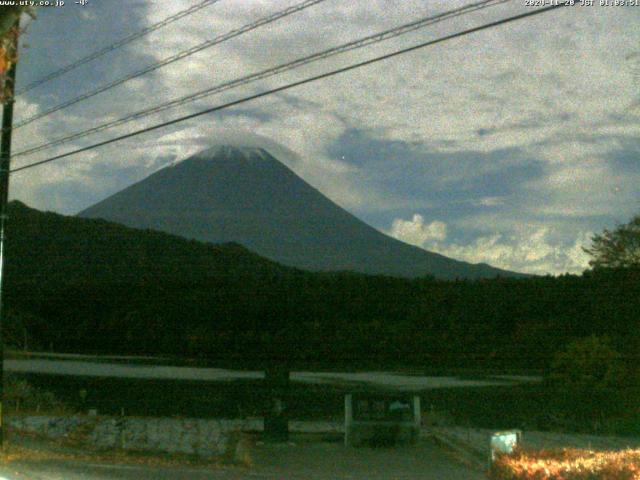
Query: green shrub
{"x": 21, "y": 396}
{"x": 588, "y": 379}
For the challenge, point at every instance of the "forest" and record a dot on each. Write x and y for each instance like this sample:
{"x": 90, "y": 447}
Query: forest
{"x": 90, "y": 286}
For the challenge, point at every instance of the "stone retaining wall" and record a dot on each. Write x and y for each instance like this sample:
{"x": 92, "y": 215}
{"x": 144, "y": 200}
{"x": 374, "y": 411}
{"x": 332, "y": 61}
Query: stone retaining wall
{"x": 202, "y": 437}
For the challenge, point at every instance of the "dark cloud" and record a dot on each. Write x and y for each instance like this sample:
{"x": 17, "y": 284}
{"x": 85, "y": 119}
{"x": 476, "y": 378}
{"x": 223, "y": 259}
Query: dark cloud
{"x": 627, "y": 159}
{"x": 60, "y": 36}
{"x": 452, "y": 183}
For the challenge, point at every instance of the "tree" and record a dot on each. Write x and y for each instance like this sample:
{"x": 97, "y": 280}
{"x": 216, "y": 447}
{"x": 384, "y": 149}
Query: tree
{"x": 589, "y": 379}
{"x": 618, "y": 248}
{"x": 9, "y": 15}
{"x": 8, "y": 40}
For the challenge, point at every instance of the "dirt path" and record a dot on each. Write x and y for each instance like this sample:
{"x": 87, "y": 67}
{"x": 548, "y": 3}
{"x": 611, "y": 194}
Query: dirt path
{"x": 298, "y": 461}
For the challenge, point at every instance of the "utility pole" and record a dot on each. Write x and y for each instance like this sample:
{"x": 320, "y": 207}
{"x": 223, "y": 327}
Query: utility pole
{"x": 276, "y": 421}
{"x": 5, "y": 166}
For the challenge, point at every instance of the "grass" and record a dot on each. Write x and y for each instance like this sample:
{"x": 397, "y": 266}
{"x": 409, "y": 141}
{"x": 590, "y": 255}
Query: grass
{"x": 498, "y": 407}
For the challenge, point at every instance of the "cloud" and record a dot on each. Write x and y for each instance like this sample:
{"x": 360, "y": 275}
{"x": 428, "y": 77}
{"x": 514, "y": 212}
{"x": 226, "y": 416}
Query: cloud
{"x": 416, "y": 232}
{"x": 489, "y": 133}
{"x": 490, "y": 201}
{"x": 531, "y": 251}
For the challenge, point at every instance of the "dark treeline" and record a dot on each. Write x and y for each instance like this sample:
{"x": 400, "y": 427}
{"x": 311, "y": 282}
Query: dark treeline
{"x": 91, "y": 286}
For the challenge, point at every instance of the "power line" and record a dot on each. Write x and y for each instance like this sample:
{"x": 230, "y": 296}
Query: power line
{"x": 118, "y": 44}
{"x": 356, "y": 44}
{"x": 295, "y": 84}
{"x": 174, "y": 58}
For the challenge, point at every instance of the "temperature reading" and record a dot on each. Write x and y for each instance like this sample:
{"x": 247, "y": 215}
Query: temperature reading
{"x": 82, "y": 2}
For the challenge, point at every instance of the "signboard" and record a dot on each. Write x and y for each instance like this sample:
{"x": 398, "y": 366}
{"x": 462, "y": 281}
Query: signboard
{"x": 504, "y": 442}
{"x": 383, "y": 409}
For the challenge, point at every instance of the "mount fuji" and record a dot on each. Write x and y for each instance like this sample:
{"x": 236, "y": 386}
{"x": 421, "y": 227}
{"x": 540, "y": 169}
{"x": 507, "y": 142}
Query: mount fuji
{"x": 246, "y": 195}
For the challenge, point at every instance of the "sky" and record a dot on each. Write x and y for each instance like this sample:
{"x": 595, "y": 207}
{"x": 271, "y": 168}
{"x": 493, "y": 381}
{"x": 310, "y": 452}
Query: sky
{"x": 511, "y": 146}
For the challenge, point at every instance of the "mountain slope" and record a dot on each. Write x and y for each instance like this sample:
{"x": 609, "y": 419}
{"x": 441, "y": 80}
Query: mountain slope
{"x": 245, "y": 195}
{"x": 46, "y": 248}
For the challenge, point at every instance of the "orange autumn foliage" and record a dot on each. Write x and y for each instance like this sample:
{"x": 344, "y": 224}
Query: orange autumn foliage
{"x": 8, "y": 56}
{"x": 4, "y": 62}
{"x": 567, "y": 464}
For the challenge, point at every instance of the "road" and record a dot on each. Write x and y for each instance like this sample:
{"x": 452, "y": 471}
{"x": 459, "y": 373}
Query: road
{"x": 304, "y": 461}
{"x": 77, "y": 366}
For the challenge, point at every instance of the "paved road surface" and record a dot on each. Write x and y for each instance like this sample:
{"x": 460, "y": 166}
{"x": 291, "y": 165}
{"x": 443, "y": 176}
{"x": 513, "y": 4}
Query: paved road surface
{"x": 304, "y": 461}
{"x": 76, "y": 366}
